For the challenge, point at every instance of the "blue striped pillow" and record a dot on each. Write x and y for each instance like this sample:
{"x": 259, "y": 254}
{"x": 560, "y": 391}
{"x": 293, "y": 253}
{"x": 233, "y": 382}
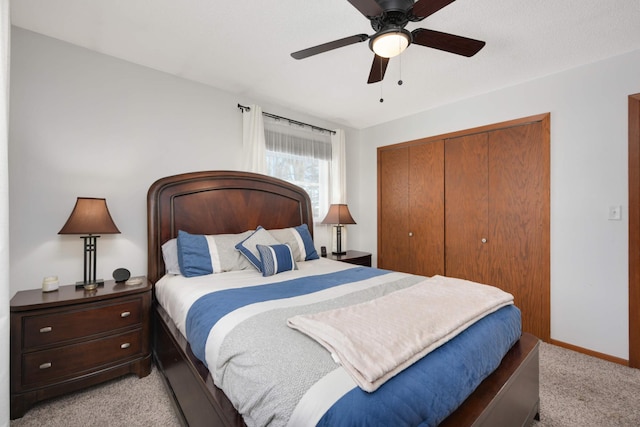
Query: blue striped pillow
{"x": 198, "y": 254}
{"x": 276, "y": 259}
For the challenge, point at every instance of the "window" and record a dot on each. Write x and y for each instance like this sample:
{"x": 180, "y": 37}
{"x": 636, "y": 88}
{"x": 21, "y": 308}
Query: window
{"x": 301, "y": 156}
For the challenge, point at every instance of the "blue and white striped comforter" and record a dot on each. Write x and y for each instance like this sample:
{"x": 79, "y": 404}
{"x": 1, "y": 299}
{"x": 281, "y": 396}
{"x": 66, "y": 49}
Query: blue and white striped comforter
{"x": 277, "y": 376}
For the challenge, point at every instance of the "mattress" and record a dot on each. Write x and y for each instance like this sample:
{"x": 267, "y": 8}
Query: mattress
{"x": 275, "y": 375}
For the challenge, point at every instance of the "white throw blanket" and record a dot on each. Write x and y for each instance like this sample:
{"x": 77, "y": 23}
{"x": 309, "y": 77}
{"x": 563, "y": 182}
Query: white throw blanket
{"x": 376, "y": 340}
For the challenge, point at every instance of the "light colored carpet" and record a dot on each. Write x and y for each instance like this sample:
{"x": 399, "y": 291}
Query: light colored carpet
{"x": 575, "y": 391}
{"x": 129, "y": 401}
{"x": 580, "y": 390}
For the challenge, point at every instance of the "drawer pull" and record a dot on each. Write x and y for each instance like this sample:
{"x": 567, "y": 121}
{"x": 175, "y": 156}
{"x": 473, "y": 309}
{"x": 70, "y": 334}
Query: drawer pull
{"x": 46, "y": 329}
{"x": 125, "y": 345}
{"x": 125, "y": 314}
{"x": 45, "y": 365}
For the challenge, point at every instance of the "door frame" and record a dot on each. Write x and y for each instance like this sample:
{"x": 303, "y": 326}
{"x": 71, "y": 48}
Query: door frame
{"x": 634, "y": 230}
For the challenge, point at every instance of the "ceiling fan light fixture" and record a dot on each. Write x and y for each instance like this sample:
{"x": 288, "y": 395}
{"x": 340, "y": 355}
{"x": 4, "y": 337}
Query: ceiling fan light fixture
{"x": 391, "y": 42}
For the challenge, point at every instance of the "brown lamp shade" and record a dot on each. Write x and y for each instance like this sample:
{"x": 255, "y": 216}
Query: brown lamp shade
{"x": 90, "y": 216}
{"x": 338, "y": 214}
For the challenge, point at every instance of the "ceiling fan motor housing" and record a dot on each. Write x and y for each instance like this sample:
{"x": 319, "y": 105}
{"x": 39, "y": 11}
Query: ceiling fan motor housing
{"x": 396, "y": 14}
{"x": 397, "y": 5}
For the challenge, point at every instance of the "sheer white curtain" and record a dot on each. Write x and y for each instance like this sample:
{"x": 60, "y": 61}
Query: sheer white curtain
{"x": 302, "y": 156}
{"x": 338, "y": 168}
{"x": 253, "y": 144}
{"x": 291, "y": 138}
{"x": 5, "y": 28}
{"x": 338, "y": 181}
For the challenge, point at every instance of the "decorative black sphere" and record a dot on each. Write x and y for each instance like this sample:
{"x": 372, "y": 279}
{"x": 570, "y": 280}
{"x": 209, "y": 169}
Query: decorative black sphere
{"x": 121, "y": 274}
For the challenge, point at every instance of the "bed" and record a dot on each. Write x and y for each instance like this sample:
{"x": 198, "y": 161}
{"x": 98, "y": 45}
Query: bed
{"x": 231, "y": 202}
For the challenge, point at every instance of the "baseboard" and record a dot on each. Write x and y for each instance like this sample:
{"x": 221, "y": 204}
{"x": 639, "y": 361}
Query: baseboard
{"x": 588, "y": 352}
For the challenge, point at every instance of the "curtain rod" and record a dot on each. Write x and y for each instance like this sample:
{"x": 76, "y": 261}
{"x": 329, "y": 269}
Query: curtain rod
{"x": 291, "y": 121}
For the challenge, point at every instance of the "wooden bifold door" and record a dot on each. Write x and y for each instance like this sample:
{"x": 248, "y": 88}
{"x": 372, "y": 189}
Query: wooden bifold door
{"x": 473, "y": 205}
{"x": 411, "y": 204}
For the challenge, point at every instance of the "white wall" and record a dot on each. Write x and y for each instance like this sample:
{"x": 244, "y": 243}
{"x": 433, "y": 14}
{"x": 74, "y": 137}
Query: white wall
{"x": 4, "y": 213}
{"x": 86, "y": 124}
{"x": 589, "y": 260}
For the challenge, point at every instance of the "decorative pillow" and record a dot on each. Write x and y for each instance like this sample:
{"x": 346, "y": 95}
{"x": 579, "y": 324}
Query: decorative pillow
{"x": 200, "y": 254}
{"x": 170, "y": 256}
{"x": 276, "y": 259}
{"x": 299, "y": 239}
{"x": 247, "y": 247}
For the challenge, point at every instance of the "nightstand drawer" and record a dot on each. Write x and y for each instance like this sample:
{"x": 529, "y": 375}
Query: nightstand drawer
{"x": 364, "y": 261}
{"x": 86, "y": 321}
{"x": 45, "y": 366}
{"x": 353, "y": 257}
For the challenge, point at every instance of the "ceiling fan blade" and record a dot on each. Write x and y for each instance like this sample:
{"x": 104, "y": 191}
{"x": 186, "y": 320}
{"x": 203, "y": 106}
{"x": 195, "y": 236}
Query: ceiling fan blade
{"x": 447, "y": 42}
{"x": 424, "y": 8}
{"x": 378, "y": 68}
{"x": 305, "y": 53}
{"x": 369, "y": 8}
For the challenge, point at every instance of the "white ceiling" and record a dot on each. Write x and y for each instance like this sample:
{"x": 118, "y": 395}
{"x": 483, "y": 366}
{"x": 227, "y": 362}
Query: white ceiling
{"x": 244, "y": 46}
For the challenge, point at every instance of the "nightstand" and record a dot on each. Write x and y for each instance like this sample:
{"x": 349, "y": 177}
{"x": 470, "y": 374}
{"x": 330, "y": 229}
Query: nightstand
{"x": 353, "y": 257}
{"x": 68, "y": 339}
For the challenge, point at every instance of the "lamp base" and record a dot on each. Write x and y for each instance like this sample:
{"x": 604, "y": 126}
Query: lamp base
{"x": 90, "y": 285}
{"x": 338, "y": 247}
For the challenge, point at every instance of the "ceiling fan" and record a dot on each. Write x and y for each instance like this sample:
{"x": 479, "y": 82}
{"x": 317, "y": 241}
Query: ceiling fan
{"x": 388, "y": 20}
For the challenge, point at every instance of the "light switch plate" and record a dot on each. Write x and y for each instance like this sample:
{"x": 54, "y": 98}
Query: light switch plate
{"x": 615, "y": 213}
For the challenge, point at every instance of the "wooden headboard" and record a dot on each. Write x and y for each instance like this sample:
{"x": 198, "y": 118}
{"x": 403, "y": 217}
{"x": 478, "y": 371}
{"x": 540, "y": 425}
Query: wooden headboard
{"x": 219, "y": 202}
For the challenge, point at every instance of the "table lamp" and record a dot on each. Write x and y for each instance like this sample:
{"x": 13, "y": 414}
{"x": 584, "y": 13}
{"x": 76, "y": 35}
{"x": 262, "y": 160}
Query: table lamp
{"x": 339, "y": 215}
{"x": 90, "y": 216}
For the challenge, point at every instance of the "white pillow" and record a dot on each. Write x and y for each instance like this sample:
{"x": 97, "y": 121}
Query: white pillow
{"x": 248, "y": 246}
{"x": 299, "y": 240}
{"x": 170, "y": 256}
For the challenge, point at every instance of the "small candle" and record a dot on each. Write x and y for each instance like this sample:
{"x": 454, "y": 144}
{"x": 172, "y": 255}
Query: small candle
{"x": 50, "y": 283}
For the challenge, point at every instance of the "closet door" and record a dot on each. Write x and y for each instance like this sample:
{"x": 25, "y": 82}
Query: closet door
{"x": 426, "y": 208}
{"x": 519, "y": 221}
{"x": 497, "y": 216}
{"x": 411, "y": 208}
{"x": 393, "y": 209}
{"x": 467, "y": 207}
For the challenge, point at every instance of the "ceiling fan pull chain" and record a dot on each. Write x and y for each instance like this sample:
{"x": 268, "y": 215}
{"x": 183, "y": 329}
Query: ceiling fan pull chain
{"x": 400, "y": 68}
{"x": 381, "y": 70}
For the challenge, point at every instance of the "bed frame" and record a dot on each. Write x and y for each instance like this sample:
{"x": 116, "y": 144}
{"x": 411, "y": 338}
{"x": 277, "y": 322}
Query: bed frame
{"x": 218, "y": 202}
